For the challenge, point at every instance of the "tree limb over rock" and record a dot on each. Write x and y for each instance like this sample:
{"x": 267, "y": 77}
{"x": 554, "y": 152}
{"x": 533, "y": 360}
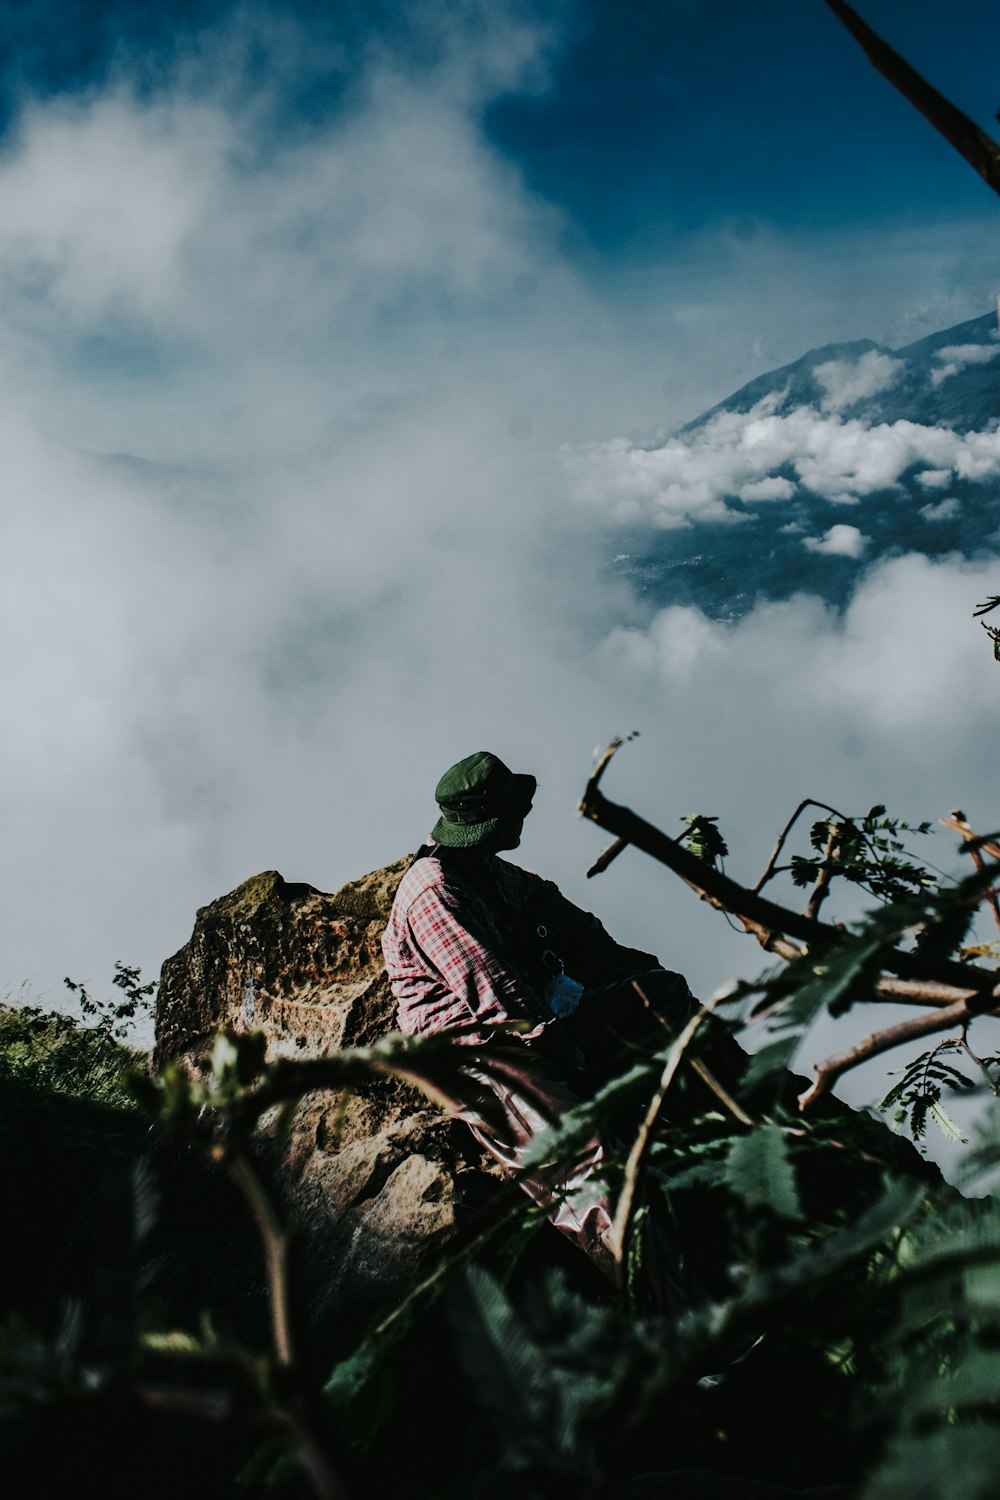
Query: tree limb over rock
{"x": 957, "y": 992}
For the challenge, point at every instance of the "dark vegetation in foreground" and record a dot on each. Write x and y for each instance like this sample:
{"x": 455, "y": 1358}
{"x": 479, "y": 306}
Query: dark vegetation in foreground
{"x": 153, "y": 1330}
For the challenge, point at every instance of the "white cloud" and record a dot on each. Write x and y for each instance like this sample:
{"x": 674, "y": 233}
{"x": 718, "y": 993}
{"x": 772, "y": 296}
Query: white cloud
{"x": 99, "y": 203}
{"x": 847, "y": 381}
{"x": 941, "y": 510}
{"x": 957, "y": 356}
{"x": 935, "y": 479}
{"x": 691, "y": 475}
{"x": 904, "y": 657}
{"x": 768, "y": 489}
{"x": 839, "y": 541}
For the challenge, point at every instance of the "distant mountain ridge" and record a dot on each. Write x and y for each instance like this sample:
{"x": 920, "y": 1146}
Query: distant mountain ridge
{"x": 849, "y": 455}
{"x": 965, "y": 400}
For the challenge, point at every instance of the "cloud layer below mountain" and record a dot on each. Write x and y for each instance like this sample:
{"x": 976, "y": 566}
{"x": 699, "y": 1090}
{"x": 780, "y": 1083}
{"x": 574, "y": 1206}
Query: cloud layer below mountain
{"x": 744, "y": 454}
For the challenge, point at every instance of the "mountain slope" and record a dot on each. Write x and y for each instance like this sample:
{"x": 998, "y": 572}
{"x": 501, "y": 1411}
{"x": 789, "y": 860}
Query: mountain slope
{"x": 851, "y": 454}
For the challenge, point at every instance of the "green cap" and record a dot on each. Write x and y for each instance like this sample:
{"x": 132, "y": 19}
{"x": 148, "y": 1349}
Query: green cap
{"x": 476, "y": 796}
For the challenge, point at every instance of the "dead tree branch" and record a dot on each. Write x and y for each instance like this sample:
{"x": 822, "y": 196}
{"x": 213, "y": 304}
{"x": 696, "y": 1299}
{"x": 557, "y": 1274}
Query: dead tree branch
{"x": 769, "y": 923}
{"x": 956, "y": 992}
{"x": 979, "y": 150}
{"x": 958, "y": 823}
{"x": 834, "y": 1067}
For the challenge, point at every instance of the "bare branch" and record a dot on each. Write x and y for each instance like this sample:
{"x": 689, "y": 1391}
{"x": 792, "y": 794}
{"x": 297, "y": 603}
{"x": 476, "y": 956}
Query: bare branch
{"x": 834, "y": 1067}
{"x": 822, "y": 887}
{"x": 890, "y": 990}
{"x": 980, "y": 150}
{"x": 920, "y": 992}
{"x": 608, "y": 756}
{"x": 770, "y": 923}
{"x": 608, "y": 857}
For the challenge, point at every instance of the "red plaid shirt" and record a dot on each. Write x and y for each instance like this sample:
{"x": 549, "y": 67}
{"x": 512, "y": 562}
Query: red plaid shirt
{"x": 446, "y": 956}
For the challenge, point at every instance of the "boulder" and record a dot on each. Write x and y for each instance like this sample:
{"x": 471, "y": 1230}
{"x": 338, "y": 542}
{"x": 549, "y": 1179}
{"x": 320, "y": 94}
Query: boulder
{"x": 379, "y": 1185}
{"x": 302, "y": 966}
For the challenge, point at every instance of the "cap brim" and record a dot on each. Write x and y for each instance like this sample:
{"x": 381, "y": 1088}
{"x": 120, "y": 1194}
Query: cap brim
{"x": 463, "y": 835}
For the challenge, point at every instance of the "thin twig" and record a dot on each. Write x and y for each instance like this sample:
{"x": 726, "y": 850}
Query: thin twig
{"x": 707, "y": 1077}
{"x": 769, "y": 868}
{"x": 822, "y": 887}
{"x": 958, "y": 822}
{"x": 637, "y": 1155}
{"x": 326, "y": 1482}
{"x": 289, "y": 1412}
{"x": 980, "y": 1063}
{"x": 722, "y": 1094}
{"x": 275, "y": 1242}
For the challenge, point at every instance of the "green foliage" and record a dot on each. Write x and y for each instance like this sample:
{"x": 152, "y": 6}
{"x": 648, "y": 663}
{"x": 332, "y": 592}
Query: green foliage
{"x": 842, "y": 970}
{"x": 759, "y": 1170}
{"x": 867, "y": 852}
{"x": 55, "y": 1055}
{"x": 116, "y": 1017}
{"x": 563, "y": 1380}
{"x": 917, "y": 1096}
{"x": 703, "y": 838}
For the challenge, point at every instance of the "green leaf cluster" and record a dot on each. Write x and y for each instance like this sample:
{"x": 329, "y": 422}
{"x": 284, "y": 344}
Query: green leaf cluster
{"x": 866, "y": 852}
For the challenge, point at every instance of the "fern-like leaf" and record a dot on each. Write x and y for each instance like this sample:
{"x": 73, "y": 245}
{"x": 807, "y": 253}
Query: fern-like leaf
{"x": 759, "y": 1171}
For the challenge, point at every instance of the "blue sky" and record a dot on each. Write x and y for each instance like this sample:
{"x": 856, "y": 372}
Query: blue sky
{"x": 310, "y": 320}
{"x": 662, "y": 119}
{"x": 641, "y": 121}
{"x": 697, "y": 160}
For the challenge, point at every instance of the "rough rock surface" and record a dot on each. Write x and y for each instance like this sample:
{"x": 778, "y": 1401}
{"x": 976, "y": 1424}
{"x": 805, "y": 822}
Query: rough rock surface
{"x": 381, "y": 1187}
{"x": 301, "y": 966}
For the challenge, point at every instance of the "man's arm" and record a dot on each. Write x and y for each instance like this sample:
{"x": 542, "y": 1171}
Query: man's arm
{"x": 599, "y": 959}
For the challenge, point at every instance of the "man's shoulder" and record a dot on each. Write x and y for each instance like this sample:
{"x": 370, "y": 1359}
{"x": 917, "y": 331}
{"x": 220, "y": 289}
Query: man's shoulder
{"x": 430, "y": 876}
{"x": 424, "y": 875}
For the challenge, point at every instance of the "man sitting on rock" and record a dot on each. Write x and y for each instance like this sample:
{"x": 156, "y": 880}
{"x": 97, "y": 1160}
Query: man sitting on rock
{"x": 473, "y": 941}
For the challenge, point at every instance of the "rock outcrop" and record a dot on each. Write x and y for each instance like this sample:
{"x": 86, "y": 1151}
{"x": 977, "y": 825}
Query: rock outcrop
{"x": 302, "y": 966}
{"x": 378, "y": 1187}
